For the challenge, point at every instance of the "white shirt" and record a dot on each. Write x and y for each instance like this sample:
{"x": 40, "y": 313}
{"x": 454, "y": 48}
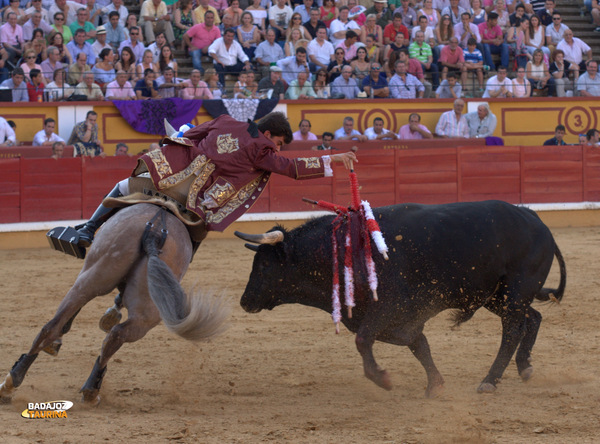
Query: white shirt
{"x": 573, "y": 53}
{"x": 6, "y": 132}
{"x": 41, "y": 137}
{"x": 372, "y": 135}
{"x": 227, "y": 57}
{"x": 322, "y": 53}
{"x": 493, "y": 84}
{"x": 337, "y": 25}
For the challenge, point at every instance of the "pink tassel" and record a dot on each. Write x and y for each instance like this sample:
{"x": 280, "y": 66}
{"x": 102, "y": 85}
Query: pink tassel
{"x": 349, "y": 273}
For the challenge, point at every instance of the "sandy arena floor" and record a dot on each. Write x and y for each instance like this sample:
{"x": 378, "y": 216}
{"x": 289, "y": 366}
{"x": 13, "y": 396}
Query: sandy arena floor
{"x": 284, "y": 376}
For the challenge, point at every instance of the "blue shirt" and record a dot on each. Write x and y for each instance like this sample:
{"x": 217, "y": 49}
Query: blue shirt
{"x": 473, "y": 57}
{"x": 380, "y": 83}
{"x": 19, "y": 94}
{"x": 87, "y": 49}
{"x": 141, "y": 86}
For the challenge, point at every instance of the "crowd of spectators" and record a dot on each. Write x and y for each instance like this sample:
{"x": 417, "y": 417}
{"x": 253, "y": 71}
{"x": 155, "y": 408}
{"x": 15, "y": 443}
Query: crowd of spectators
{"x": 297, "y": 49}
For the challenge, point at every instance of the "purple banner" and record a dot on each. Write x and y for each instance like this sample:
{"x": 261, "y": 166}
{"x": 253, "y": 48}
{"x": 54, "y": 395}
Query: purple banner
{"x": 147, "y": 116}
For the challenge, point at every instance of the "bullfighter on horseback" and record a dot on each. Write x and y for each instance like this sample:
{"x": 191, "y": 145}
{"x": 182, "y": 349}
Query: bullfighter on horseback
{"x": 215, "y": 172}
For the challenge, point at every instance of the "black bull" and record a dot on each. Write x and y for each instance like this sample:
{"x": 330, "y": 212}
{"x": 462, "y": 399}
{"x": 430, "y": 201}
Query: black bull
{"x": 459, "y": 256}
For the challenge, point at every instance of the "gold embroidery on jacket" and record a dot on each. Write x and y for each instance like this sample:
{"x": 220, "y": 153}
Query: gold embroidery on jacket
{"x": 195, "y": 188}
{"x": 176, "y": 178}
{"x": 160, "y": 163}
{"x": 227, "y": 144}
{"x": 311, "y": 162}
{"x": 220, "y": 193}
{"x": 234, "y": 203}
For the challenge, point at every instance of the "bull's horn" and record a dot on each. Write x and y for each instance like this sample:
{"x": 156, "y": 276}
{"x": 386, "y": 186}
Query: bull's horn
{"x": 272, "y": 237}
{"x": 251, "y": 247}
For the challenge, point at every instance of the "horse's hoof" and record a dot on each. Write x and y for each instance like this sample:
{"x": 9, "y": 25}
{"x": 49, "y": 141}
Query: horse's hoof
{"x": 109, "y": 319}
{"x": 434, "y": 392}
{"x": 526, "y": 374}
{"x": 53, "y": 348}
{"x": 6, "y": 390}
{"x": 90, "y": 398}
{"x": 486, "y": 387}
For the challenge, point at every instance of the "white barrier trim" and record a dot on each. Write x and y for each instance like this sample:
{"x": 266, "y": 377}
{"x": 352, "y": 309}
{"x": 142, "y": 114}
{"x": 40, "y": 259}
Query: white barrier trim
{"x": 293, "y": 215}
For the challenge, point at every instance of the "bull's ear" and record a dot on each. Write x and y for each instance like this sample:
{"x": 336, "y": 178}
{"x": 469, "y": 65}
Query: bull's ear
{"x": 251, "y": 247}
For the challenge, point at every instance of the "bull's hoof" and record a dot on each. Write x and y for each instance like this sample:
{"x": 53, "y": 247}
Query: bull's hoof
{"x": 434, "y": 392}
{"x": 90, "y": 398}
{"x": 486, "y": 387}
{"x": 53, "y": 348}
{"x": 526, "y": 374}
{"x": 109, "y": 319}
{"x": 382, "y": 378}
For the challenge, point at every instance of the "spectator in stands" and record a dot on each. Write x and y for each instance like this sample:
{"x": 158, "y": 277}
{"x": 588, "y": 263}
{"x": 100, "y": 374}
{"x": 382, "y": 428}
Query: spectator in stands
{"x": 226, "y": 23}
{"x": 68, "y": 8}
{"x": 51, "y": 63}
{"x": 121, "y": 149}
{"x": 64, "y": 54}
{"x": 291, "y": 66}
{"x": 267, "y": 53}
{"x": 409, "y": 15}
{"x": 444, "y": 31}
{"x": 335, "y": 66}
{"x": 327, "y": 138}
{"x": 84, "y": 137}
{"x": 482, "y": 123}
{"x": 77, "y": 69}
{"x": 146, "y": 88}
{"x": 169, "y": 85}
{"x": 104, "y": 70}
{"x": 118, "y": 7}
{"x": 320, "y": 50}
{"x": 58, "y": 89}
{"x": 592, "y": 137}
{"x": 280, "y": 15}
{"x": 29, "y": 63}
{"x": 47, "y": 136}
{"x": 465, "y": 30}
{"x": 454, "y": 11}
{"x": 575, "y": 49}
{"x": 473, "y": 63}
{"x": 339, "y": 26}
{"x": 498, "y": 86}
{"x": 453, "y": 124}
{"x": 347, "y": 131}
{"x": 390, "y": 31}
{"x": 537, "y": 6}
{"x": 452, "y": 59}
{"x": 273, "y": 82}
{"x": 296, "y": 24}
{"x": 300, "y": 88}
{"x": 11, "y": 36}
{"x": 559, "y": 134}
{"x": 345, "y": 86}
{"x": 17, "y": 85}
{"x": 378, "y": 132}
{"x": 127, "y": 63}
{"x": 517, "y": 15}
{"x": 303, "y": 132}
{"x": 95, "y": 11}
{"x": 14, "y": 6}
{"x": 199, "y": 38}
{"x": 155, "y": 18}
{"x": 521, "y": 87}
{"x": 228, "y": 55}
{"x": 35, "y": 86}
{"x": 414, "y": 130}
{"x": 58, "y": 150}
{"x": 375, "y": 84}
{"x": 35, "y": 22}
{"x": 61, "y": 28}
{"x": 304, "y": 11}
{"x": 167, "y": 59}
{"x": 536, "y": 39}
{"x": 383, "y": 14}
{"x": 157, "y": 46}
{"x": 79, "y": 45}
{"x": 349, "y": 45}
{"x": 36, "y": 5}
{"x": 134, "y": 43}
{"x": 183, "y": 20}
{"x": 202, "y": 9}
{"x": 537, "y": 71}
{"x": 492, "y": 39}
{"x": 423, "y": 25}
{"x": 561, "y": 70}
{"x": 83, "y": 22}
{"x": 588, "y": 84}
{"x": 147, "y": 62}
{"x": 100, "y": 42}
{"x": 421, "y": 51}
{"x": 449, "y": 88}
{"x": 7, "y": 134}
{"x": 404, "y": 85}
{"x": 87, "y": 87}
{"x": 195, "y": 89}
{"x": 413, "y": 67}
{"x": 248, "y": 35}
{"x": 235, "y": 12}
{"x": 120, "y": 88}
{"x": 314, "y": 22}
{"x": 555, "y": 31}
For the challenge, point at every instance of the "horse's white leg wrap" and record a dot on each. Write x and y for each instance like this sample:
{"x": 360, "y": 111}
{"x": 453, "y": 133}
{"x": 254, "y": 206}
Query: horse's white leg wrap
{"x": 6, "y": 389}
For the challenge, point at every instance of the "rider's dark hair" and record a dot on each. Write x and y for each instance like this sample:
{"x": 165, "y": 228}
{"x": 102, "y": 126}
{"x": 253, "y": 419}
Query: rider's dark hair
{"x": 277, "y": 123}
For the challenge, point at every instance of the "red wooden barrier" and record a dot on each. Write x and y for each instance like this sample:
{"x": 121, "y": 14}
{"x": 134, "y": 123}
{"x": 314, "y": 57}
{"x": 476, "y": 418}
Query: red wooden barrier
{"x": 30, "y": 151}
{"x": 48, "y": 189}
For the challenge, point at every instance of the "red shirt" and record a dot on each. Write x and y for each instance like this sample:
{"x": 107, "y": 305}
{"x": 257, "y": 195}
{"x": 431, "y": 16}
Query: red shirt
{"x": 447, "y": 56}
{"x": 390, "y": 32}
{"x": 36, "y": 94}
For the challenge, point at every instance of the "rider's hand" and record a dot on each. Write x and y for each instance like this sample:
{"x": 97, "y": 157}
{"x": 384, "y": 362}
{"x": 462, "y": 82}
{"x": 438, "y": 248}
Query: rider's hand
{"x": 346, "y": 158}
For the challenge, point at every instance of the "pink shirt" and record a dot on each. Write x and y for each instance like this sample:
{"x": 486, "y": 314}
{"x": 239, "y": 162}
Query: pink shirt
{"x": 298, "y": 136}
{"x": 489, "y": 34}
{"x": 11, "y": 36}
{"x": 190, "y": 91}
{"x": 202, "y": 37}
{"x": 446, "y": 55}
{"x": 405, "y": 132}
{"x": 114, "y": 90}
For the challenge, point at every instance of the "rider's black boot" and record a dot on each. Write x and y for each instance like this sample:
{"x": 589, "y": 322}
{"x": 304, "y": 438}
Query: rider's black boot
{"x": 101, "y": 215}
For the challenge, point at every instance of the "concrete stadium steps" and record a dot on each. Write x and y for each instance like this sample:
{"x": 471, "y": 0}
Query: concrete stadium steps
{"x": 581, "y": 25}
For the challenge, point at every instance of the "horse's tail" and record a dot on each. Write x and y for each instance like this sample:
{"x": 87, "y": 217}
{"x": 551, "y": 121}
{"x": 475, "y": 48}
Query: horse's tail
{"x": 551, "y": 294}
{"x": 195, "y": 317}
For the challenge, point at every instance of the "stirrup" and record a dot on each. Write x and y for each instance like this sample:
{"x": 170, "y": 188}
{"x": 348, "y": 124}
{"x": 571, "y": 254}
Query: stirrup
{"x": 109, "y": 319}
{"x": 66, "y": 239}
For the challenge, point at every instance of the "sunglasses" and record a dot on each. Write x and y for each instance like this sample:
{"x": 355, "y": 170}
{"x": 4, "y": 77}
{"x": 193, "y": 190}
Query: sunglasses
{"x": 59, "y": 18}
{"x": 30, "y": 57}
{"x": 134, "y": 33}
{"x": 375, "y": 68}
{"x": 555, "y": 18}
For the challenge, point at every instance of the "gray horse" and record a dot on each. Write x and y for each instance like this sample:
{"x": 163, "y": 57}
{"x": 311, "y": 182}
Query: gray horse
{"x": 147, "y": 273}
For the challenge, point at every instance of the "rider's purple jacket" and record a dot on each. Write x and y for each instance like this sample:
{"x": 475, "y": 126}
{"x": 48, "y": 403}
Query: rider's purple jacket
{"x": 232, "y": 162}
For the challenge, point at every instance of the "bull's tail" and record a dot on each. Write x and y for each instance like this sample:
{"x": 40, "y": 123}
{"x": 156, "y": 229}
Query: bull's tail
{"x": 195, "y": 317}
{"x": 551, "y": 294}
